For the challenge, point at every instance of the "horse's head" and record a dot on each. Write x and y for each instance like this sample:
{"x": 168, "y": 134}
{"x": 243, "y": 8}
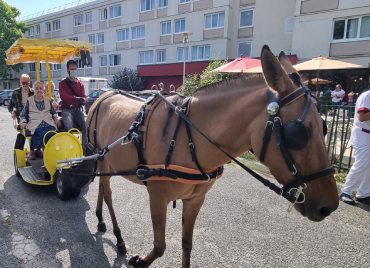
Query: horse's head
{"x": 299, "y": 144}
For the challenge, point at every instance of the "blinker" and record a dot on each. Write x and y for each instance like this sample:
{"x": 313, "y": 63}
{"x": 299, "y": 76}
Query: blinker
{"x": 296, "y": 135}
{"x": 273, "y": 108}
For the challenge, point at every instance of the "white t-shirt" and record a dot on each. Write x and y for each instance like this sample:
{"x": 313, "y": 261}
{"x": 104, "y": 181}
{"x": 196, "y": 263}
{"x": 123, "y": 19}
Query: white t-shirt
{"x": 360, "y": 135}
{"x": 337, "y": 95}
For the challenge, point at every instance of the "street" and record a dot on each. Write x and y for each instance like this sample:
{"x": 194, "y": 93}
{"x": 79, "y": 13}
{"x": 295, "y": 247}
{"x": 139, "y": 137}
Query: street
{"x": 241, "y": 224}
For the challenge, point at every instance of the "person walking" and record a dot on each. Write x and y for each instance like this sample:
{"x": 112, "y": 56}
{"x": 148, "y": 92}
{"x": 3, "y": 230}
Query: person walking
{"x": 337, "y": 95}
{"x": 358, "y": 177}
{"x": 72, "y": 94}
{"x": 20, "y": 96}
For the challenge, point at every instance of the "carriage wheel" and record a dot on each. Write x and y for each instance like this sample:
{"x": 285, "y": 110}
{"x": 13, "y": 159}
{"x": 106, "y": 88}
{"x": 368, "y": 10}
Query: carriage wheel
{"x": 5, "y": 103}
{"x": 74, "y": 193}
{"x": 61, "y": 186}
{"x": 16, "y": 165}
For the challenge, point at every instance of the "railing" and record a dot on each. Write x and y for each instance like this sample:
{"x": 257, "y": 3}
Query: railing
{"x": 339, "y": 120}
{"x": 55, "y": 9}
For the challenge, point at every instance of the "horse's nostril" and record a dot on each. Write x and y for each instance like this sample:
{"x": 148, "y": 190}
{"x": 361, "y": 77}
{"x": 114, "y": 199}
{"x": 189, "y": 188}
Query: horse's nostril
{"x": 325, "y": 211}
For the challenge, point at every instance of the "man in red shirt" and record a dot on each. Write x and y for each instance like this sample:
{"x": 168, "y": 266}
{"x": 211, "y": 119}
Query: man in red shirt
{"x": 72, "y": 94}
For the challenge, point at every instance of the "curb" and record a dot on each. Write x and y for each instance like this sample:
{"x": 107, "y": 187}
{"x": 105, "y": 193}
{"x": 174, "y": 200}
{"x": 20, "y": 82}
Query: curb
{"x": 257, "y": 166}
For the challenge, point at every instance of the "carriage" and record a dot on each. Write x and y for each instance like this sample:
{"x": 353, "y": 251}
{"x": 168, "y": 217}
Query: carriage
{"x": 46, "y": 171}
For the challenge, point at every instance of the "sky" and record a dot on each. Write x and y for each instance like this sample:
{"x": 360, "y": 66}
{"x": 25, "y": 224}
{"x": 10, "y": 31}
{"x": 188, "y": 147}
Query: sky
{"x": 28, "y": 7}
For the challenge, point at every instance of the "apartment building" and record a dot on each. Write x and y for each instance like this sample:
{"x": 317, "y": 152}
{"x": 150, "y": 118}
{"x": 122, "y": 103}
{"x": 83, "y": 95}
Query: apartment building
{"x": 338, "y": 29}
{"x": 146, "y": 34}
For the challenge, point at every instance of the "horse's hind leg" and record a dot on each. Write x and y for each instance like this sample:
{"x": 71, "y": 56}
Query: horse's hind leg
{"x": 107, "y": 194}
{"x": 158, "y": 210}
{"x": 99, "y": 208}
{"x": 189, "y": 215}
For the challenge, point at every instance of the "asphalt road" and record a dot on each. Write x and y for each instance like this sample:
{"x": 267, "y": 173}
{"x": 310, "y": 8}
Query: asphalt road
{"x": 242, "y": 224}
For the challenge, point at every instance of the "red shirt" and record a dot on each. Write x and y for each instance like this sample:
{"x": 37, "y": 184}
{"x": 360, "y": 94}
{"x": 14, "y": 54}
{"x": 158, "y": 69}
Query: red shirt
{"x": 67, "y": 96}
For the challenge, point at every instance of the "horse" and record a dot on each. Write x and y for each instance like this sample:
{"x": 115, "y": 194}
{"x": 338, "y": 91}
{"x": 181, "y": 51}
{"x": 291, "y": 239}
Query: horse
{"x": 233, "y": 115}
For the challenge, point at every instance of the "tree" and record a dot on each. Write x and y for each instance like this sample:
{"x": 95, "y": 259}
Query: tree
{"x": 10, "y": 31}
{"x": 195, "y": 81}
{"x": 127, "y": 79}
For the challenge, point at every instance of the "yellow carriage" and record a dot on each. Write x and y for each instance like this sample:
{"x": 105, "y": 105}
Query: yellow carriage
{"x": 63, "y": 145}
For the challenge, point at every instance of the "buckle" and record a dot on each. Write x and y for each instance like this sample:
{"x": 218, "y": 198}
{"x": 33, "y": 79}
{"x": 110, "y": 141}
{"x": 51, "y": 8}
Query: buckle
{"x": 142, "y": 176}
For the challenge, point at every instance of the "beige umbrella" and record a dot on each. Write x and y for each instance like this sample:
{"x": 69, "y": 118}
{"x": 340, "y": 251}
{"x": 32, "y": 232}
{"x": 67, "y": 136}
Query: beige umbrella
{"x": 318, "y": 81}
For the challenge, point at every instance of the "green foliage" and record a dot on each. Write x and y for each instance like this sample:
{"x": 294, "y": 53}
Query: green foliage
{"x": 195, "y": 81}
{"x": 250, "y": 156}
{"x": 127, "y": 79}
{"x": 10, "y": 31}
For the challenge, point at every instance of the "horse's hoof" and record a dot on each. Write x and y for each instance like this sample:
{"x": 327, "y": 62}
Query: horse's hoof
{"x": 122, "y": 248}
{"x": 137, "y": 262}
{"x": 102, "y": 227}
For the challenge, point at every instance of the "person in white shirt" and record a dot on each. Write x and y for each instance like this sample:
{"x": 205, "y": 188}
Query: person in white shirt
{"x": 358, "y": 177}
{"x": 337, "y": 95}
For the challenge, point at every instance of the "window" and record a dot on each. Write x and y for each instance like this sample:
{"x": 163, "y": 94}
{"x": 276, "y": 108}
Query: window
{"x": 90, "y": 64}
{"x": 32, "y": 67}
{"x": 354, "y": 28}
{"x": 88, "y": 18}
{"x": 103, "y": 14}
{"x": 79, "y": 64}
{"x": 74, "y": 39}
{"x": 201, "y": 52}
{"x": 93, "y": 83}
{"x": 289, "y": 26}
{"x": 146, "y": 57}
{"x": 92, "y": 39}
{"x": 56, "y": 67}
{"x": 31, "y": 31}
{"x": 56, "y": 25}
{"x": 184, "y": 1}
{"x": 244, "y": 48}
{"x": 163, "y": 3}
{"x": 166, "y": 28}
{"x": 147, "y": 5}
{"x": 100, "y": 38}
{"x": 180, "y": 54}
{"x": 161, "y": 56}
{"x": 138, "y": 32}
{"x": 48, "y": 27}
{"x": 115, "y": 12}
{"x": 179, "y": 26}
{"x": 122, "y": 35}
{"x": 115, "y": 60}
{"x": 38, "y": 30}
{"x": 215, "y": 20}
{"x": 103, "y": 61}
{"x": 246, "y": 18}
{"x": 78, "y": 20}
{"x": 7, "y": 85}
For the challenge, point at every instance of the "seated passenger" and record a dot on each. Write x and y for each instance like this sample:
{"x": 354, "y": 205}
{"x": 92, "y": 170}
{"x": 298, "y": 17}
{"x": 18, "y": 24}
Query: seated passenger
{"x": 39, "y": 116}
{"x": 55, "y": 104}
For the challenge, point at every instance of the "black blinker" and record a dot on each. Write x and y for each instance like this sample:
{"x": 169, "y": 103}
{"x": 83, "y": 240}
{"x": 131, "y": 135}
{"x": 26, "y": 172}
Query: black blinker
{"x": 296, "y": 135}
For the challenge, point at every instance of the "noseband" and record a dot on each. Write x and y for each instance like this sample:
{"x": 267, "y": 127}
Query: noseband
{"x": 292, "y": 135}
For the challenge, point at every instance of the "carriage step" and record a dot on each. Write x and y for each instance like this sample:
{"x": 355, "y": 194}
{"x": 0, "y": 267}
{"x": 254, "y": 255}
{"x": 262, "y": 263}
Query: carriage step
{"x": 31, "y": 176}
{"x": 38, "y": 165}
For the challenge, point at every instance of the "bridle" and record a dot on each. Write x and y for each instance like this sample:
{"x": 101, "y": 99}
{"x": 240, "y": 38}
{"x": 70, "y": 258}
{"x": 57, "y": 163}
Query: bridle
{"x": 292, "y": 135}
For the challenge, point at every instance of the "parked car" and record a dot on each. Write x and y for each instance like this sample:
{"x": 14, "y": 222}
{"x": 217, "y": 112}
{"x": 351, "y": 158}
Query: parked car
{"x": 5, "y": 97}
{"x": 92, "y": 97}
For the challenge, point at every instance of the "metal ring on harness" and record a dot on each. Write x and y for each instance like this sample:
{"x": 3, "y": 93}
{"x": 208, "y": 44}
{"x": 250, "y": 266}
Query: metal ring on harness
{"x": 155, "y": 87}
{"x": 208, "y": 180}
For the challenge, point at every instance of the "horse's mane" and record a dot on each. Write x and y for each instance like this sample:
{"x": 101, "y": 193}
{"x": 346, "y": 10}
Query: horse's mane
{"x": 231, "y": 84}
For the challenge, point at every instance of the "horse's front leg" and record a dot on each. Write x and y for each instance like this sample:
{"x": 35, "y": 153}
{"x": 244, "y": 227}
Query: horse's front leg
{"x": 158, "y": 209}
{"x": 189, "y": 215}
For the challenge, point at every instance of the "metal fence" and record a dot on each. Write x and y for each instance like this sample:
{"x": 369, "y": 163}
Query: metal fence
{"x": 339, "y": 120}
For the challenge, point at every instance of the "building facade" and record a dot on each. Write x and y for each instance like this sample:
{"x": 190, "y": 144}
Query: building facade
{"x": 146, "y": 34}
{"x": 136, "y": 33}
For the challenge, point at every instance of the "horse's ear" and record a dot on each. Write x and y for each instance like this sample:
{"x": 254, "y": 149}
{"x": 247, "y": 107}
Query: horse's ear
{"x": 274, "y": 73}
{"x": 289, "y": 69}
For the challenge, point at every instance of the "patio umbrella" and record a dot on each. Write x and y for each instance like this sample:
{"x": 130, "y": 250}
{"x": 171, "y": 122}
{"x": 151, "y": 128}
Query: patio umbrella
{"x": 318, "y": 81}
{"x": 322, "y": 63}
{"x": 239, "y": 65}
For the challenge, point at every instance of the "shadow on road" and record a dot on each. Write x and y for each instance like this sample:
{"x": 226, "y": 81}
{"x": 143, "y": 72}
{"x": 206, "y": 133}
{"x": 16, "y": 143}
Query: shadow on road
{"x": 60, "y": 229}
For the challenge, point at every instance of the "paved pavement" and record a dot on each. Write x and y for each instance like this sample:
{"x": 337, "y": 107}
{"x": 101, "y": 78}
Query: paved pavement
{"x": 242, "y": 224}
